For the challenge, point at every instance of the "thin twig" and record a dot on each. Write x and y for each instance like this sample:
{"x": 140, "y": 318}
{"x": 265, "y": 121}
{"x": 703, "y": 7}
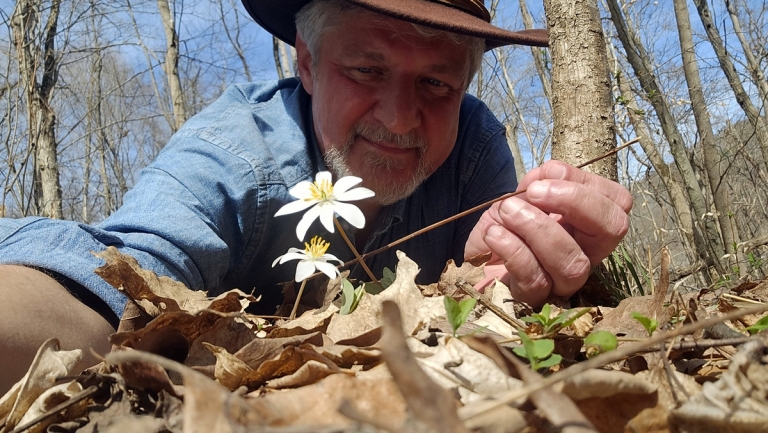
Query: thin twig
{"x": 487, "y": 303}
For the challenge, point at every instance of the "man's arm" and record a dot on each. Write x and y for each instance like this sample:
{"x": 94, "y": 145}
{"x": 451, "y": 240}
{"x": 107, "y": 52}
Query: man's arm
{"x": 548, "y": 239}
{"x": 36, "y": 307}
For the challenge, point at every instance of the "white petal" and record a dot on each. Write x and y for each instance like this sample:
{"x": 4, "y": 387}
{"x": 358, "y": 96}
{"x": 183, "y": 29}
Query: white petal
{"x": 295, "y": 206}
{"x": 306, "y": 221}
{"x": 351, "y": 213}
{"x": 327, "y": 269}
{"x": 304, "y": 269}
{"x": 328, "y": 258}
{"x": 345, "y": 183}
{"x": 323, "y": 175}
{"x": 355, "y": 194}
{"x": 293, "y": 255}
{"x": 326, "y": 216}
{"x": 301, "y": 190}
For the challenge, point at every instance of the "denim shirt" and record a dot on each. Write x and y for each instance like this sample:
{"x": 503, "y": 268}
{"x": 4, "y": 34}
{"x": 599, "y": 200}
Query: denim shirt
{"x": 203, "y": 211}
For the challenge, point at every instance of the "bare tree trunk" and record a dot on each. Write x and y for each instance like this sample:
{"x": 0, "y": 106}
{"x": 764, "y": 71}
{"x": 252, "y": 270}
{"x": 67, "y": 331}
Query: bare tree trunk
{"x": 706, "y": 135}
{"x": 287, "y": 59}
{"x": 40, "y": 116}
{"x": 276, "y": 55}
{"x": 172, "y": 65}
{"x": 675, "y": 190}
{"x": 581, "y": 103}
{"x": 234, "y": 39}
{"x": 753, "y": 66}
{"x": 753, "y": 114}
{"x": 707, "y": 238}
{"x": 539, "y": 54}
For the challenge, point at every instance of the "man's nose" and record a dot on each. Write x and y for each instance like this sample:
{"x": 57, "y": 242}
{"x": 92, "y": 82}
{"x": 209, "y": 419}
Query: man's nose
{"x": 397, "y": 108}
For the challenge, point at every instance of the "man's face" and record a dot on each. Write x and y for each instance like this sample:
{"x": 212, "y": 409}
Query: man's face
{"x": 385, "y": 101}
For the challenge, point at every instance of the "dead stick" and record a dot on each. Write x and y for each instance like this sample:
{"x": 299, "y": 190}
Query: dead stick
{"x": 487, "y": 303}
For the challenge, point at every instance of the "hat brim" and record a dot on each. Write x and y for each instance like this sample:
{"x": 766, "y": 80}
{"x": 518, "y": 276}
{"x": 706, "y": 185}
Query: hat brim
{"x": 278, "y": 18}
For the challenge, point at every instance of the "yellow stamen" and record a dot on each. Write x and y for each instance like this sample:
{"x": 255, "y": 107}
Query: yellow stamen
{"x": 321, "y": 191}
{"x": 316, "y": 247}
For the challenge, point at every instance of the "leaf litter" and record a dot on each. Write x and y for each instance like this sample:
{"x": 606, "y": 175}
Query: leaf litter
{"x": 182, "y": 362}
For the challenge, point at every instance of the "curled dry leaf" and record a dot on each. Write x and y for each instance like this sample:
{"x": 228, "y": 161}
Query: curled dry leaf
{"x": 738, "y": 401}
{"x": 49, "y": 364}
{"x": 307, "y": 323}
{"x": 156, "y": 295}
{"x": 51, "y": 398}
{"x": 229, "y": 370}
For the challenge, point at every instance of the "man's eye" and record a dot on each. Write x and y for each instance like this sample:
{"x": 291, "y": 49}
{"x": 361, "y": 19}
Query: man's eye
{"x": 434, "y": 82}
{"x": 365, "y": 70}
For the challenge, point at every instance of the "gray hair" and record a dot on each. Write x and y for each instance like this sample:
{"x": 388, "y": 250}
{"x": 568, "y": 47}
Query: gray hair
{"x": 320, "y": 15}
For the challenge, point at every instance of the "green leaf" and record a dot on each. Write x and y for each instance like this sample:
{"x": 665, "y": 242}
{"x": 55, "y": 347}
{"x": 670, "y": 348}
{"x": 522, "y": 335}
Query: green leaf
{"x": 387, "y": 279}
{"x": 347, "y": 297}
{"x": 543, "y": 348}
{"x": 458, "y": 312}
{"x": 649, "y": 324}
{"x": 760, "y": 325}
{"x": 604, "y": 341}
{"x": 549, "y": 362}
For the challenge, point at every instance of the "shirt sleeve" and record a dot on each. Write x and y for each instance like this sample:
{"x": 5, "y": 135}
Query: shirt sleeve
{"x": 190, "y": 217}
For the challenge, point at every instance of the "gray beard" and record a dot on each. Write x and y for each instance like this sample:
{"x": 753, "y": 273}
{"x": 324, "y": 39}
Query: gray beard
{"x": 380, "y": 168}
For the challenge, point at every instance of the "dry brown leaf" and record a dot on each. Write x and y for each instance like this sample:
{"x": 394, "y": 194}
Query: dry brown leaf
{"x": 605, "y": 383}
{"x": 308, "y": 323}
{"x": 229, "y": 370}
{"x": 51, "y": 398}
{"x": 261, "y": 349}
{"x": 453, "y": 364}
{"x": 559, "y": 410}
{"x": 498, "y": 293}
{"x": 49, "y": 364}
{"x": 315, "y": 406}
{"x": 737, "y": 401}
{"x": 426, "y": 401}
{"x": 453, "y": 276}
{"x": 156, "y": 295}
{"x": 208, "y": 406}
{"x": 230, "y": 333}
{"x": 287, "y": 362}
{"x": 310, "y": 372}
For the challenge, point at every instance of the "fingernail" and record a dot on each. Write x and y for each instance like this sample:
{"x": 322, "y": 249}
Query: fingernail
{"x": 537, "y": 190}
{"x": 556, "y": 171}
{"x": 494, "y": 231}
{"x": 510, "y": 206}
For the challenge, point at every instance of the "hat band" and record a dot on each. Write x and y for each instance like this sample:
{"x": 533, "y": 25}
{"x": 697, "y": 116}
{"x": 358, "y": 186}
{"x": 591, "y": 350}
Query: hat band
{"x": 473, "y": 7}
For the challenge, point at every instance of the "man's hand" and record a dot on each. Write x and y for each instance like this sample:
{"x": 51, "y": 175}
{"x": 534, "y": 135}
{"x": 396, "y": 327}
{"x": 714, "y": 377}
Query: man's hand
{"x": 546, "y": 240}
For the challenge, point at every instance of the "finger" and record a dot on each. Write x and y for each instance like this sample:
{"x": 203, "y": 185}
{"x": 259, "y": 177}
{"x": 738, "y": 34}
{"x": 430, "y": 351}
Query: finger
{"x": 597, "y": 222}
{"x": 558, "y": 170}
{"x": 559, "y": 256}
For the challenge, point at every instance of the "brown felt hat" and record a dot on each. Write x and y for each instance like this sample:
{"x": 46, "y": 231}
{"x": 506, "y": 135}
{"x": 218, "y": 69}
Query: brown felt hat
{"x": 466, "y": 17}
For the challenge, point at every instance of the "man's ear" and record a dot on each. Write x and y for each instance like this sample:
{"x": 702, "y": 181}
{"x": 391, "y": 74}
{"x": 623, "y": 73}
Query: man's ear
{"x": 305, "y": 63}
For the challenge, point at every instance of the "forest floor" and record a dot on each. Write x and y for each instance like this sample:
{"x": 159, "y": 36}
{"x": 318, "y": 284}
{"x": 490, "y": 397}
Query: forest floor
{"x": 407, "y": 360}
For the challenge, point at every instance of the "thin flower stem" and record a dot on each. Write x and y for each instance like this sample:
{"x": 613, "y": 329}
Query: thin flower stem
{"x": 354, "y": 251}
{"x": 298, "y": 298}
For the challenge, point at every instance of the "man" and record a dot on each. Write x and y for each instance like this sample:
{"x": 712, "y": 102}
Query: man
{"x": 379, "y": 98}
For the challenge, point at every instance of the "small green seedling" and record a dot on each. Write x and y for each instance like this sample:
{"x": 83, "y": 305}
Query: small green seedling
{"x": 537, "y": 352}
{"x": 649, "y": 324}
{"x": 551, "y": 325}
{"x": 458, "y": 312}
{"x": 387, "y": 279}
{"x": 600, "y": 342}
{"x": 350, "y": 297}
{"x": 759, "y": 326}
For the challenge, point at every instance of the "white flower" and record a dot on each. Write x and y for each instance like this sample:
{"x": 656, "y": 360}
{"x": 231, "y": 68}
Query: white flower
{"x": 325, "y": 199}
{"x": 312, "y": 258}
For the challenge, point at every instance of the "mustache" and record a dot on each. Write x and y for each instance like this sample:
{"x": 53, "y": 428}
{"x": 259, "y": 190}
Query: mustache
{"x": 378, "y": 134}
